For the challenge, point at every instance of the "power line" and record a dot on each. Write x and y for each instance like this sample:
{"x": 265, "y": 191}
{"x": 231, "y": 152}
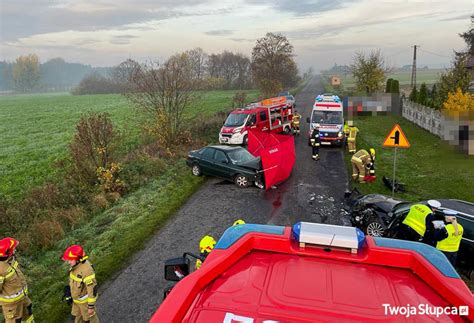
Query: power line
{"x": 428, "y": 52}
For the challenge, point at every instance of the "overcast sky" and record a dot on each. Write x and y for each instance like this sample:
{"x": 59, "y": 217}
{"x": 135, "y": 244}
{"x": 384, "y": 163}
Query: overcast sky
{"x": 323, "y": 32}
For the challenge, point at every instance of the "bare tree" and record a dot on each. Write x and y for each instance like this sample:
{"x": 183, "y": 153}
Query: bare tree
{"x": 369, "y": 71}
{"x": 273, "y": 66}
{"x": 198, "y": 60}
{"x": 164, "y": 92}
{"x": 124, "y": 73}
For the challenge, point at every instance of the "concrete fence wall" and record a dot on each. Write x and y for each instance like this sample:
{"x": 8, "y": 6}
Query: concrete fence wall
{"x": 427, "y": 118}
{"x": 455, "y": 128}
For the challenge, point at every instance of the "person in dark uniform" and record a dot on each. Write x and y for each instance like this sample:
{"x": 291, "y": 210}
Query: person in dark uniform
{"x": 315, "y": 140}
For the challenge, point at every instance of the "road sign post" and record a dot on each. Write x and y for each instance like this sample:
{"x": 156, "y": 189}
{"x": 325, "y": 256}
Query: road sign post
{"x": 394, "y": 169}
{"x": 396, "y": 138}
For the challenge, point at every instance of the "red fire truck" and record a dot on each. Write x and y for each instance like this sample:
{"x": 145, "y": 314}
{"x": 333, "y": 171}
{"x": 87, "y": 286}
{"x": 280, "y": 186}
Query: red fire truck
{"x": 272, "y": 115}
{"x": 315, "y": 273}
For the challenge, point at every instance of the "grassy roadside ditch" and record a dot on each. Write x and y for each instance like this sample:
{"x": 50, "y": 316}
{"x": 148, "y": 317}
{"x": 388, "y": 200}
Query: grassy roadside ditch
{"x": 109, "y": 236}
{"x": 430, "y": 168}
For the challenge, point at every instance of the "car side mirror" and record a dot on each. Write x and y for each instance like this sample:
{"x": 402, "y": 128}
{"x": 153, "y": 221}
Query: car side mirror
{"x": 176, "y": 268}
{"x": 307, "y": 120}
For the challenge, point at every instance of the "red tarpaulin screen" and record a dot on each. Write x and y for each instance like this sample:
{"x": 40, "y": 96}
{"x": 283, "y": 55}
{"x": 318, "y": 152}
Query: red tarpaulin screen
{"x": 277, "y": 153}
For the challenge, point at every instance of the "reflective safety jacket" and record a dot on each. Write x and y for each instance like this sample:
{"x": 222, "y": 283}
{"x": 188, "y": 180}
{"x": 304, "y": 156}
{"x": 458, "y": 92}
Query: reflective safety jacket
{"x": 296, "y": 119}
{"x": 13, "y": 286}
{"x": 452, "y": 242}
{"x": 346, "y": 129}
{"x": 362, "y": 156}
{"x": 315, "y": 138}
{"x": 83, "y": 284}
{"x": 416, "y": 218}
{"x": 353, "y": 132}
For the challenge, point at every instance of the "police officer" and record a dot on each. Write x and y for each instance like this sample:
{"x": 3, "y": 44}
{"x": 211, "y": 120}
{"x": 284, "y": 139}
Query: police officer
{"x": 449, "y": 237}
{"x": 360, "y": 160}
{"x": 315, "y": 140}
{"x": 83, "y": 285}
{"x": 418, "y": 224}
{"x": 351, "y": 140}
{"x": 16, "y": 305}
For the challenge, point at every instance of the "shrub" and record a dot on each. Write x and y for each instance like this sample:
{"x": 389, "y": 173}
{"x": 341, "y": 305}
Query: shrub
{"x": 423, "y": 94}
{"x": 98, "y": 84}
{"x": 459, "y": 101}
{"x": 394, "y": 86}
{"x": 47, "y": 232}
{"x": 413, "y": 95}
{"x": 388, "y": 86}
{"x": 93, "y": 147}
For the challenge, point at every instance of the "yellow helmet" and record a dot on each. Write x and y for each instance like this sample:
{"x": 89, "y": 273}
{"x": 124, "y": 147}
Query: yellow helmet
{"x": 239, "y": 221}
{"x": 372, "y": 152}
{"x": 206, "y": 244}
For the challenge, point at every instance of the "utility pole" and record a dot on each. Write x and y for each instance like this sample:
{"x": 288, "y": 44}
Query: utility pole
{"x": 413, "y": 69}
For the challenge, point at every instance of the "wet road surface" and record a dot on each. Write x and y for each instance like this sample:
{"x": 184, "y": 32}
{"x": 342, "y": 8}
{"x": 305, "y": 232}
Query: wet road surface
{"x": 313, "y": 193}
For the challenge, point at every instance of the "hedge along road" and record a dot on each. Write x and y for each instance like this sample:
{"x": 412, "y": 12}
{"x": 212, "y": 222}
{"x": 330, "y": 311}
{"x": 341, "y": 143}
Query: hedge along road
{"x": 313, "y": 193}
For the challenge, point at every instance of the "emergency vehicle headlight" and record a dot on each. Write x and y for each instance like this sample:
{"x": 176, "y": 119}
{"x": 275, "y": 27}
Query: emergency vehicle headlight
{"x": 237, "y": 130}
{"x": 327, "y": 235}
{"x": 339, "y": 134}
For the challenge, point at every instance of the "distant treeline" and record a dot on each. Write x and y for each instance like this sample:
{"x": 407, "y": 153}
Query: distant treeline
{"x": 26, "y": 74}
{"x": 223, "y": 71}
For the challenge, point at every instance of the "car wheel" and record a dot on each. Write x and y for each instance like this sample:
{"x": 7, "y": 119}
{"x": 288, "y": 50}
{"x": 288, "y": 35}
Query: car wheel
{"x": 287, "y": 130}
{"x": 241, "y": 181}
{"x": 196, "y": 170}
{"x": 375, "y": 229}
{"x": 246, "y": 140}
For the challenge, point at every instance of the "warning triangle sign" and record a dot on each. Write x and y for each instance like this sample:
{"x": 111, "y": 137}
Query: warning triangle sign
{"x": 396, "y": 138}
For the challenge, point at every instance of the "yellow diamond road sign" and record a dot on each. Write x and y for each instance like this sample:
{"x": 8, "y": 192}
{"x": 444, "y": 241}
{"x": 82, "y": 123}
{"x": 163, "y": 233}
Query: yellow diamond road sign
{"x": 396, "y": 138}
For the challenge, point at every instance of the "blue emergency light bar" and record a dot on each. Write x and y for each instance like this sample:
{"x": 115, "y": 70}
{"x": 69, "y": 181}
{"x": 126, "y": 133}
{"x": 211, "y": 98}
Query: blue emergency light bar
{"x": 328, "y": 98}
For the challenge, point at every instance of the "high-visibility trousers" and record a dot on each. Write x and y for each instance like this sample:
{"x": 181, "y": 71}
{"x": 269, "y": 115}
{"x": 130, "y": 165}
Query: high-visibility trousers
{"x": 358, "y": 169}
{"x": 351, "y": 145}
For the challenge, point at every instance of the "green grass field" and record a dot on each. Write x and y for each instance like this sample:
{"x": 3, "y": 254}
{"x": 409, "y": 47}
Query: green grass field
{"x": 36, "y": 130}
{"x": 430, "y": 168}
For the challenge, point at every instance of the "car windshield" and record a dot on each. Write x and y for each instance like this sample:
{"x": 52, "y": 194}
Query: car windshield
{"x": 327, "y": 117}
{"x": 235, "y": 120}
{"x": 239, "y": 156}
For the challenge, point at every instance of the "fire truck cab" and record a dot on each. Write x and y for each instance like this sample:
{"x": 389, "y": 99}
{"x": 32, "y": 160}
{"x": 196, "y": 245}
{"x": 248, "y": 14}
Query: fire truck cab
{"x": 272, "y": 115}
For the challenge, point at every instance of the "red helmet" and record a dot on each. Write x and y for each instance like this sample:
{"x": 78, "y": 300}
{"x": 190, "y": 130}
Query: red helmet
{"x": 7, "y": 246}
{"x": 74, "y": 252}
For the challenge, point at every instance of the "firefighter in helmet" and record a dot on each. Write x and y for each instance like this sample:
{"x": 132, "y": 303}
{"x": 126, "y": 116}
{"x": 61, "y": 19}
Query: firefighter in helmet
{"x": 352, "y": 135}
{"x": 315, "y": 140}
{"x": 82, "y": 284}
{"x": 206, "y": 245}
{"x": 238, "y": 222}
{"x": 295, "y": 123}
{"x": 16, "y": 304}
{"x": 360, "y": 160}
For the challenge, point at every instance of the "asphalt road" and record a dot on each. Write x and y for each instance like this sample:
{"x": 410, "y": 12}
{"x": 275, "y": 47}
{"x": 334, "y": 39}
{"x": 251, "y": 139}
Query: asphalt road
{"x": 313, "y": 193}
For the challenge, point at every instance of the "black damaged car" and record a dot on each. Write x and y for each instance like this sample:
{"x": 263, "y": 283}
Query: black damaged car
{"x": 380, "y": 216}
{"x": 231, "y": 163}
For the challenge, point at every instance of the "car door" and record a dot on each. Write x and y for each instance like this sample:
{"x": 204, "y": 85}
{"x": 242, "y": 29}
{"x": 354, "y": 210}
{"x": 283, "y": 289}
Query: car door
{"x": 207, "y": 160}
{"x": 221, "y": 164}
{"x": 262, "y": 120}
